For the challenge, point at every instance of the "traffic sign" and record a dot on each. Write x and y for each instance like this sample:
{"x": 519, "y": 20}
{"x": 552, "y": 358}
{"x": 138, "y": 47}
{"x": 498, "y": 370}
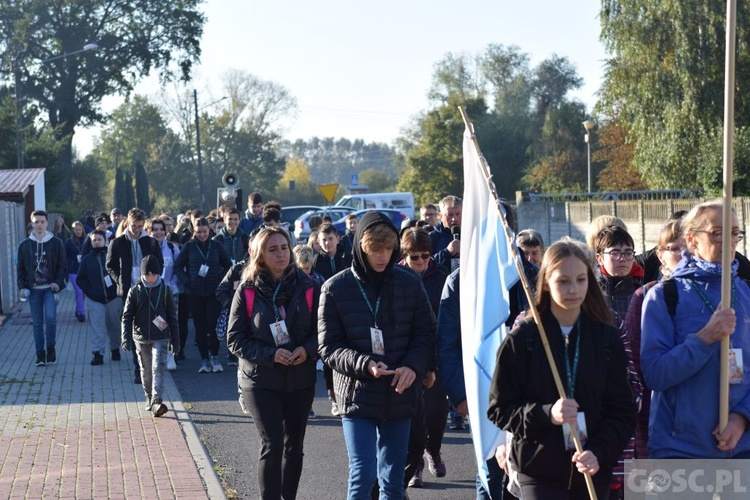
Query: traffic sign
{"x": 328, "y": 191}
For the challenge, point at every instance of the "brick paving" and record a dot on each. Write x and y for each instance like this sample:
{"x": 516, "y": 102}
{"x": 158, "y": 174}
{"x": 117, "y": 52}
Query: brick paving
{"x": 71, "y": 430}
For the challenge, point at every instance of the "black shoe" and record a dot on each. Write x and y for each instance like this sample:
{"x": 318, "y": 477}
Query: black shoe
{"x": 98, "y": 359}
{"x": 41, "y": 358}
{"x": 457, "y": 424}
{"x": 81, "y": 317}
{"x": 51, "y": 356}
{"x": 180, "y": 356}
{"x": 115, "y": 355}
{"x": 231, "y": 360}
{"x": 158, "y": 408}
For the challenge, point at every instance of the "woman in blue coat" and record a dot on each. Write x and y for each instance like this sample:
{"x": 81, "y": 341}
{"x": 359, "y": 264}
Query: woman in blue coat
{"x": 680, "y": 352}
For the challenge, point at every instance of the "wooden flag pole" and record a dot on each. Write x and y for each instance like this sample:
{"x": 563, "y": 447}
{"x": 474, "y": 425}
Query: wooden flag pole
{"x": 529, "y": 296}
{"x": 727, "y": 255}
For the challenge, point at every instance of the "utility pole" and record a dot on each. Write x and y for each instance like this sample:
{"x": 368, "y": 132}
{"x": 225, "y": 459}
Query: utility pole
{"x": 198, "y": 148}
{"x": 19, "y": 109}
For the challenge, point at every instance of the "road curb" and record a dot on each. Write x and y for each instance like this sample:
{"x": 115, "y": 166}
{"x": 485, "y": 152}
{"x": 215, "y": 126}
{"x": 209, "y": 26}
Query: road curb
{"x": 204, "y": 463}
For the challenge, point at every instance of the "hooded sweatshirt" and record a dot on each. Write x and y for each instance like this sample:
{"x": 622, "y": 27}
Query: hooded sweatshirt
{"x": 41, "y": 262}
{"x": 683, "y": 371}
{"x": 358, "y": 299}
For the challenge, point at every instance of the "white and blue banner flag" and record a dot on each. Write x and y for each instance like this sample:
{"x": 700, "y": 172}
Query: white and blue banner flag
{"x": 487, "y": 272}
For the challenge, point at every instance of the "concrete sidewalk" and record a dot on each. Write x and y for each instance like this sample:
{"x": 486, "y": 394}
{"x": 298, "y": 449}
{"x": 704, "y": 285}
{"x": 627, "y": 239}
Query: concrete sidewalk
{"x": 71, "y": 430}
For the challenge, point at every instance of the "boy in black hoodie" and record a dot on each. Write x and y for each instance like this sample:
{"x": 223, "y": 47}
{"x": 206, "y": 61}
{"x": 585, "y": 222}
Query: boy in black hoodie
{"x": 102, "y": 305}
{"x": 150, "y": 320}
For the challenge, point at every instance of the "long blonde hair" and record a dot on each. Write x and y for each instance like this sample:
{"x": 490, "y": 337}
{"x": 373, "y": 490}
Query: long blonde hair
{"x": 257, "y": 264}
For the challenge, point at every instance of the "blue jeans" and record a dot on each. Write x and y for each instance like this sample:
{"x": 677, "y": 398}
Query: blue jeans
{"x": 377, "y": 450}
{"x": 43, "y": 313}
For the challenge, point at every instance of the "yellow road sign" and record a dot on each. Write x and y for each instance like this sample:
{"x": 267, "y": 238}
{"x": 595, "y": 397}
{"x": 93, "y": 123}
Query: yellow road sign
{"x": 328, "y": 191}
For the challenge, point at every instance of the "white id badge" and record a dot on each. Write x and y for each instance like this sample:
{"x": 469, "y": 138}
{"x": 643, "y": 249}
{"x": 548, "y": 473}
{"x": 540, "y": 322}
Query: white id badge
{"x": 203, "y": 271}
{"x": 160, "y": 323}
{"x": 235, "y": 285}
{"x": 233, "y": 262}
{"x": 376, "y": 337}
{"x": 569, "y": 443}
{"x": 280, "y": 333}
{"x": 79, "y": 258}
{"x": 108, "y": 281}
{"x": 736, "y": 367}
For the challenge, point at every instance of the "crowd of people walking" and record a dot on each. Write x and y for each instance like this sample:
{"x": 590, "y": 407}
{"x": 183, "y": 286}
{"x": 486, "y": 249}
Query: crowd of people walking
{"x": 636, "y": 338}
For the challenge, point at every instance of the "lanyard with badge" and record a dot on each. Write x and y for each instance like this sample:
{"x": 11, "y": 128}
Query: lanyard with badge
{"x": 570, "y": 372}
{"x": 203, "y": 270}
{"x": 736, "y": 365}
{"x": 106, "y": 279}
{"x": 160, "y": 323}
{"x": 278, "y": 329}
{"x": 376, "y": 334}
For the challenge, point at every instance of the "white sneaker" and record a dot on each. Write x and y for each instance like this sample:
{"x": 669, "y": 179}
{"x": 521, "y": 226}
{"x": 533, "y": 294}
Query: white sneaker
{"x": 171, "y": 363}
{"x": 216, "y": 364}
{"x": 205, "y": 367}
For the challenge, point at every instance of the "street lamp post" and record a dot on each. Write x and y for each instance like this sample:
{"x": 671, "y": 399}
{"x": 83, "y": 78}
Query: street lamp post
{"x": 19, "y": 118}
{"x": 589, "y": 124}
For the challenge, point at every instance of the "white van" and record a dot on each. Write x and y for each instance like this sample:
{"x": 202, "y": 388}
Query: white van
{"x": 397, "y": 201}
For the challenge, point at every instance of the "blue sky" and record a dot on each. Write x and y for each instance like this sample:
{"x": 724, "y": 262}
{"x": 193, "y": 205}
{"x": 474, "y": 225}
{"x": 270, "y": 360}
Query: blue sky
{"x": 361, "y": 69}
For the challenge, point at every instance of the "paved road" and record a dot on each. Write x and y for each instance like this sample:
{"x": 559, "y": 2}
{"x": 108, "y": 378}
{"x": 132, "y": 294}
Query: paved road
{"x": 232, "y": 441}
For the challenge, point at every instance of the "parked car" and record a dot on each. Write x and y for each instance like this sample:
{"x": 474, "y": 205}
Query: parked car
{"x": 396, "y": 216}
{"x": 302, "y": 224}
{"x": 401, "y": 201}
{"x": 292, "y": 213}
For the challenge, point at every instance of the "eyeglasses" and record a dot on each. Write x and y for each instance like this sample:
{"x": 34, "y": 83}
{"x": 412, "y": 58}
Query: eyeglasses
{"x": 673, "y": 248}
{"x": 618, "y": 255}
{"x": 423, "y": 256}
{"x": 716, "y": 234}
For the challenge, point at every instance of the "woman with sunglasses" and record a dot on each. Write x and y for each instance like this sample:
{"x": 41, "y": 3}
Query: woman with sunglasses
{"x": 428, "y": 423}
{"x": 681, "y": 347}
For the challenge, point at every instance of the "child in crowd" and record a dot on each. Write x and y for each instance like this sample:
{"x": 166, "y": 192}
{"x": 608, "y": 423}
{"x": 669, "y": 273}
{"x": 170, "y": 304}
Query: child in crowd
{"x": 150, "y": 319}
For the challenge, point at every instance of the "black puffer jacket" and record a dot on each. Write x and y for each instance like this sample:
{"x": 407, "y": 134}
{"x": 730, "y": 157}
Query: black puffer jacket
{"x": 142, "y": 306}
{"x": 189, "y": 261}
{"x": 250, "y": 339}
{"x": 344, "y": 323}
{"x": 523, "y": 393}
{"x": 92, "y": 275}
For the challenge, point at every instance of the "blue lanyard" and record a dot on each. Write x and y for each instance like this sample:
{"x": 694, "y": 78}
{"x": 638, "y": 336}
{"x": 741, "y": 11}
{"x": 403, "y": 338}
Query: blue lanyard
{"x": 205, "y": 257}
{"x": 705, "y": 298}
{"x": 571, "y": 372}
{"x": 273, "y": 301}
{"x": 367, "y": 301}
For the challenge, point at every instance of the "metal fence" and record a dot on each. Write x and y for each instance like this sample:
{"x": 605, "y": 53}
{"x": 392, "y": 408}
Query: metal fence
{"x": 13, "y": 230}
{"x": 644, "y": 218}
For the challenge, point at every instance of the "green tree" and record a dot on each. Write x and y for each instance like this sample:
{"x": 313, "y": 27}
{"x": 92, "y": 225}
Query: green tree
{"x": 89, "y": 183}
{"x": 665, "y": 83}
{"x": 434, "y": 167}
{"x": 134, "y": 38}
{"x": 142, "y": 197}
{"x": 376, "y": 180}
{"x": 137, "y": 133}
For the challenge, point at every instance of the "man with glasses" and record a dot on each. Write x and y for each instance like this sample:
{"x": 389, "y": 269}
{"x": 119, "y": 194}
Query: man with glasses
{"x": 429, "y": 213}
{"x": 124, "y": 258}
{"x": 620, "y": 275}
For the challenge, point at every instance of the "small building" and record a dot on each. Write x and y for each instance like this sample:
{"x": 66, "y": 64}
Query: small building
{"x": 21, "y": 192}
